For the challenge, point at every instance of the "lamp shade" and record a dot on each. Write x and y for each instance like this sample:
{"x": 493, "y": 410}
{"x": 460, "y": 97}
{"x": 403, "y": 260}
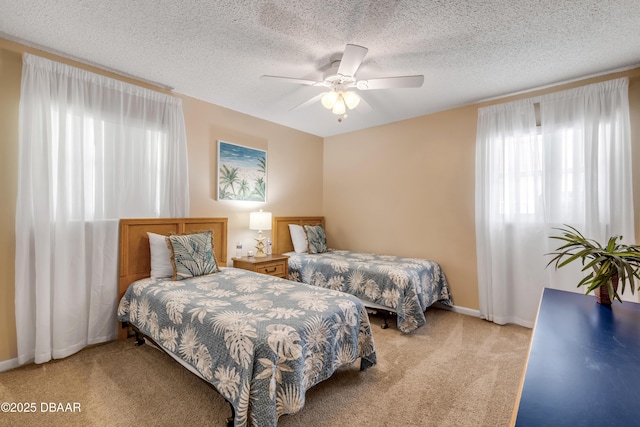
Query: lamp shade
{"x": 351, "y": 99}
{"x": 339, "y": 107}
{"x": 329, "y": 99}
{"x": 260, "y": 221}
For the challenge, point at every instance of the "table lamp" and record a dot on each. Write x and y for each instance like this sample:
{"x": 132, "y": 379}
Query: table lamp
{"x": 260, "y": 221}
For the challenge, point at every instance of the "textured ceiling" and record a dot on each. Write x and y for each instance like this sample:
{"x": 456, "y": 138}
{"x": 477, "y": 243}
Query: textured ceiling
{"x": 217, "y": 50}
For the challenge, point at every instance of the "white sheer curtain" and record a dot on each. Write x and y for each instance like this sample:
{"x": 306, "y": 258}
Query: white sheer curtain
{"x": 92, "y": 150}
{"x": 574, "y": 168}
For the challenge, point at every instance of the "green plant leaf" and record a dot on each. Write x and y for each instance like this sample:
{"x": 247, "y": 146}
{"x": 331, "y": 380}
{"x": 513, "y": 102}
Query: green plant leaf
{"x": 602, "y": 262}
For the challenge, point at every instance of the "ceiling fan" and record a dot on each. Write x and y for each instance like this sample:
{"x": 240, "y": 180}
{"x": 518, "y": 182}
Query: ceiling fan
{"x": 340, "y": 80}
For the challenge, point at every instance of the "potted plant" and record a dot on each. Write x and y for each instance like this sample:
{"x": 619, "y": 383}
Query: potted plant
{"x": 607, "y": 265}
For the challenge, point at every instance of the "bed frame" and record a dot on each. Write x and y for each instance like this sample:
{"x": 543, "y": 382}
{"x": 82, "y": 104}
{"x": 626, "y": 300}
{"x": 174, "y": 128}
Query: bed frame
{"x": 281, "y": 239}
{"x": 134, "y": 253}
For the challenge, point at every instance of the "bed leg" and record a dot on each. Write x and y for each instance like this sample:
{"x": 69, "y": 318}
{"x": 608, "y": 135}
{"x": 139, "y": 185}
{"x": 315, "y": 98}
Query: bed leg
{"x": 232, "y": 417}
{"x": 139, "y": 338}
{"x": 385, "y": 325}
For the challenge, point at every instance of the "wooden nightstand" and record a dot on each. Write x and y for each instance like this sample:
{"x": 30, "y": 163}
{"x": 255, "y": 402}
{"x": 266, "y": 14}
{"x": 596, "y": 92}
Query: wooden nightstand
{"x": 273, "y": 265}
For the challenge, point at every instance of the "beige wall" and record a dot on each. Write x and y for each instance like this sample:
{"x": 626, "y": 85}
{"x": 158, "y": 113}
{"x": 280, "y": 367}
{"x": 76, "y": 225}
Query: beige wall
{"x": 294, "y": 167}
{"x": 10, "y": 69}
{"x": 294, "y": 172}
{"x": 407, "y": 189}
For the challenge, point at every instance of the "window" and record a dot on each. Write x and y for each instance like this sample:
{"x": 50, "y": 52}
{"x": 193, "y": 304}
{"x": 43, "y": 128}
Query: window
{"x": 103, "y": 150}
{"x": 564, "y": 161}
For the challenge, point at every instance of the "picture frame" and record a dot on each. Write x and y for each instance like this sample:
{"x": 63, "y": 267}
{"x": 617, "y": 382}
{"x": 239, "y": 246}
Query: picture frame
{"x": 242, "y": 173}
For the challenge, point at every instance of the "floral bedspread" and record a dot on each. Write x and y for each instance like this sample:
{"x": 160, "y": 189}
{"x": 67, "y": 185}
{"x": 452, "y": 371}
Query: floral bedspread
{"x": 407, "y": 286}
{"x": 260, "y": 341}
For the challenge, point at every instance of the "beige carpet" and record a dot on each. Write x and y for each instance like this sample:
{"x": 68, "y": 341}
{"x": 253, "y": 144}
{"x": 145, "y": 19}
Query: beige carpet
{"x": 455, "y": 371}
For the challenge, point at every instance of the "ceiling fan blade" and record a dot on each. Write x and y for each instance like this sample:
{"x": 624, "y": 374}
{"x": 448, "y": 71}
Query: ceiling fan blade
{"x": 293, "y": 80}
{"x": 390, "y": 82}
{"x": 351, "y": 59}
{"x": 308, "y": 102}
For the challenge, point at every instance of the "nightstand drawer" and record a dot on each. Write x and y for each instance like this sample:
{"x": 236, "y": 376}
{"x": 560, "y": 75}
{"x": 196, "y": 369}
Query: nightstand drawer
{"x": 273, "y": 269}
{"x": 273, "y": 265}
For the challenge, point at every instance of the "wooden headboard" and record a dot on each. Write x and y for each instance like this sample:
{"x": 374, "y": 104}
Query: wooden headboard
{"x": 135, "y": 257}
{"x": 280, "y": 230}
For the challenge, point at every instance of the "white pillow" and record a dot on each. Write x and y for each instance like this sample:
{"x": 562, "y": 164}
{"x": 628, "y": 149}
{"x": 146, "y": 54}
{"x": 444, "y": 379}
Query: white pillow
{"x": 160, "y": 256}
{"x": 299, "y": 238}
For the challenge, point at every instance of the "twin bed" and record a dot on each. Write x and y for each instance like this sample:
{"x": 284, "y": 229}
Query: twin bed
{"x": 404, "y": 286}
{"x": 260, "y": 341}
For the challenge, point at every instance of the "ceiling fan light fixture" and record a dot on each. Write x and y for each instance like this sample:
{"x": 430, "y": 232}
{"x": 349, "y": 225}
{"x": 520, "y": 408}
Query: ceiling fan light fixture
{"x": 339, "y": 107}
{"x": 329, "y": 99}
{"x": 340, "y": 78}
{"x": 351, "y": 99}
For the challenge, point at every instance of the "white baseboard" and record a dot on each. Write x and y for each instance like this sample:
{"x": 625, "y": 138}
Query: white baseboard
{"x": 458, "y": 309}
{"x": 5, "y": 365}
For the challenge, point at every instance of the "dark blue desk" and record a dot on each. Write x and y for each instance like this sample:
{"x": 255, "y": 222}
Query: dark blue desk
{"x": 584, "y": 364}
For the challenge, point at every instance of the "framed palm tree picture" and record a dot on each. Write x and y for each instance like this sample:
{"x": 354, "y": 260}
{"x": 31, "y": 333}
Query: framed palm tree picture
{"x": 242, "y": 173}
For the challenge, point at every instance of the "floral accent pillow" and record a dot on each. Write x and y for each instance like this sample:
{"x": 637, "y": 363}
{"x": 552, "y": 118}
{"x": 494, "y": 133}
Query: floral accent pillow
{"x": 192, "y": 255}
{"x": 317, "y": 239}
